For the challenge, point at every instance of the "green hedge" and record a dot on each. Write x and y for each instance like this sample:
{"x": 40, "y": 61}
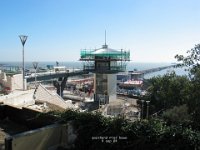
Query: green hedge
{"x": 95, "y": 132}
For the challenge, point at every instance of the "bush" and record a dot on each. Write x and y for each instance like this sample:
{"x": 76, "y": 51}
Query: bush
{"x": 177, "y": 115}
{"x": 95, "y": 132}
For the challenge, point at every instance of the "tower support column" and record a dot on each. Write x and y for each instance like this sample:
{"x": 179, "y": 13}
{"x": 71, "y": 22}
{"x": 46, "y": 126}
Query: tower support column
{"x": 112, "y": 87}
{"x": 60, "y": 87}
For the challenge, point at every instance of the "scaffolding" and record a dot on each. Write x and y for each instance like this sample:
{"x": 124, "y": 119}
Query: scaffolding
{"x": 105, "y": 54}
{"x": 105, "y": 63}
{"x": 105, "y": 59}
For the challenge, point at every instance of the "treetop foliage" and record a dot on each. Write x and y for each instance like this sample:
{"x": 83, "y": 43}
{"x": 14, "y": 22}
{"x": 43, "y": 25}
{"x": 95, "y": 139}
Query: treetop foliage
{"x": 96, "y": 132}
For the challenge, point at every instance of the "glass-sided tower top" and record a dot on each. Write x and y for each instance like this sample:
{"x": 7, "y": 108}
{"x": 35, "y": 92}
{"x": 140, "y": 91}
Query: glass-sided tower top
{"x": 105, "y": 60}
{"x": 105, "y": 53}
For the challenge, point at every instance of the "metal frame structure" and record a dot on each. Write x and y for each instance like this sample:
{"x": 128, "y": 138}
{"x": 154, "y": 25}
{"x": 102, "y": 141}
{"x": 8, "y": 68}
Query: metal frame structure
{"x": 105, "y": 54}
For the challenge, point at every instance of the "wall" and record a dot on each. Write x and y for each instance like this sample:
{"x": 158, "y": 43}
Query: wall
{"x": 5, "y": 80}
{"x": 13, "y": 82}
{"x": 46, "y": 138}
{"x": 17, "y": 82}
{"x": 43, "y": 95}
{"x": 28, "y": 117}
{"x": 95, "y": 87}
{"x": 18, "y": 100}
{"x": 112, "y": 87}
{"x": 44, "y": 132}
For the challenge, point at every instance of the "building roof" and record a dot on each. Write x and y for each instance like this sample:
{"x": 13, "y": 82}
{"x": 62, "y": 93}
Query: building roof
{"x": 105, "y": 52}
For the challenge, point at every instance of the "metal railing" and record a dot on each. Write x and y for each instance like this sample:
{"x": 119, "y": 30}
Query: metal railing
{"x": 88, "y": 54}
{"x": 104, "y": 68}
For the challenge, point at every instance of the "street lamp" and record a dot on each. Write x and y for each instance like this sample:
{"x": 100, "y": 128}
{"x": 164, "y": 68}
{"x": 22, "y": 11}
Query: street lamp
{"x": 148, "y": 109}
{"x": 35, "y": 65}
{"x": 142, "y": 109}
{"x": 23, "y": 39}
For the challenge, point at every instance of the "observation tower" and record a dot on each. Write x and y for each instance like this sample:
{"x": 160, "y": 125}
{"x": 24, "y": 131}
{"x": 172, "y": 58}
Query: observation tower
{"x": 105, "y": 63}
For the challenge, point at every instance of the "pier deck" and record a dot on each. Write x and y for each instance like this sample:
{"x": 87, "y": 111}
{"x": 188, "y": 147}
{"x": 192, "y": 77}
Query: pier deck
{"x": 53, "y": 75}
{"x": 147, "y": 71}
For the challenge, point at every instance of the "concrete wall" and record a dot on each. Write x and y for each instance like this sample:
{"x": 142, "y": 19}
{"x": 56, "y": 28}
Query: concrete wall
{"x": 13, "y": 82}
{"x": 27, "y": 117}
{"x": 17, "y": 82}
{"x": 44, "y": 133}
{"x": 18, "y": 100}
{"x": 95, "y": 83}
{"x": 5, "y": 80}
{"x": 43, "y": 95}
{"x": 112, "y": 87}
{"x": 46, "y": 138}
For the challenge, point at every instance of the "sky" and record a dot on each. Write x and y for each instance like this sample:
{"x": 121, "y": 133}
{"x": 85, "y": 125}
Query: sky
{"x": 153, "y": 30}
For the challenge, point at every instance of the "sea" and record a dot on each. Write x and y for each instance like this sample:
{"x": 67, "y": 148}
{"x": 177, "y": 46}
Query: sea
{"x": 130, "y": 66}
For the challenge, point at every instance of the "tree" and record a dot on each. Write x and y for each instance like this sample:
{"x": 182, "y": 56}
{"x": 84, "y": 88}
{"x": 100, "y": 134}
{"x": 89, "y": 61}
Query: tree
{"x": 96, "y": 132}
{"x": 168, "y": 91}
{"x": 192, "y": 62}
{"x": 177, "y": 115}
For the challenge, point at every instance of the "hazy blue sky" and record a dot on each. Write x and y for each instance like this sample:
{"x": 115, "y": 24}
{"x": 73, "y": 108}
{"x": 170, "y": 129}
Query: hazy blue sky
{"x": 153, "y": 30}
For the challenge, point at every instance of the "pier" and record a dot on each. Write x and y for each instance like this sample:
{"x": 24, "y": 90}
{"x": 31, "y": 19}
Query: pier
{"x": 54, "y": 75}
{"x": 147, "y": 71}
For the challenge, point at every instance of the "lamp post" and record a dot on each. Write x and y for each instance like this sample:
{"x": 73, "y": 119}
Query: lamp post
{"x": 148, "y": 109}
{"x": 35, "y": 65}
{"x": 23, "y": 39}
{"x": 142, "y": 109}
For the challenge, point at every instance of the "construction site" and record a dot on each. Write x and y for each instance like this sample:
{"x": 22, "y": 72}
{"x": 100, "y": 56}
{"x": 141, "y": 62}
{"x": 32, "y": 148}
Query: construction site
{"x": 93, "y": 89}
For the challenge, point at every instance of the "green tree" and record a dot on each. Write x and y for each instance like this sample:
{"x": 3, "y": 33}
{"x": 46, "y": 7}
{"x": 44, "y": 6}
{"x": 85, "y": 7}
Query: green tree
{"x": 177, "y": 115}
{"x": 192, "y": 62}
{"x": 168, "y": 91}
{"x": 154, "y": 134}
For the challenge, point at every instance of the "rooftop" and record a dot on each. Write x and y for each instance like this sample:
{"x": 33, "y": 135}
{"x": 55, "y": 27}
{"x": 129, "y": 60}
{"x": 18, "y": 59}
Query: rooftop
{"x": 106, "y": 53}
